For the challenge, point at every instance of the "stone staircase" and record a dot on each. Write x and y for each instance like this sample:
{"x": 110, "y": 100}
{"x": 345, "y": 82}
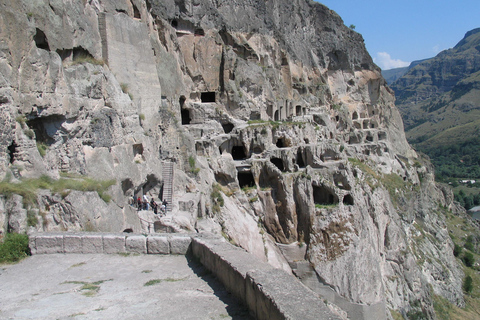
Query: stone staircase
{"x": 167, "y": 174}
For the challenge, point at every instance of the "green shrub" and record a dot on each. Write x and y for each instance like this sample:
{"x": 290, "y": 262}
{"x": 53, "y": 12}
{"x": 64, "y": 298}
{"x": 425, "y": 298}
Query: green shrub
{"x": 193, "y": 165}
{"x": 141, "y": 116}
{"x": 42, "y": 148}
{"x": 28, "y": 188}
{"x": 468, "y": 284}
{"x": 21, "y": 120}
{"x": 457, "y": 250}
{"x": 468, "y": 259}
{"x": 32, "y": 219}
{"x": 14, "y": 247}
{"x": 217, "y": 198}
{"x": 469, "y": 246}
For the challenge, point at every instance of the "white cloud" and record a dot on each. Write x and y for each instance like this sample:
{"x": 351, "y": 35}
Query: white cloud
{"x": 385, "y": 61}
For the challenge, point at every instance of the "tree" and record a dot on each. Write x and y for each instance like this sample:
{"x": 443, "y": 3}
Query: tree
{"x": 468, "y": 284}
{"x": 468, "y": 259}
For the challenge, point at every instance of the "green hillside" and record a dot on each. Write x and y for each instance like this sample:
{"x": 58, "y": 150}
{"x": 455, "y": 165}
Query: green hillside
{"x": 440, "y": 103}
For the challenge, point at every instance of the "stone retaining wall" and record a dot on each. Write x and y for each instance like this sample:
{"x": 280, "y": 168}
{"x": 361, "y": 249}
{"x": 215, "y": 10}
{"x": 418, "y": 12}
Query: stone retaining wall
{"x": 269, "y": 293}
{"x": 89, "y": 242}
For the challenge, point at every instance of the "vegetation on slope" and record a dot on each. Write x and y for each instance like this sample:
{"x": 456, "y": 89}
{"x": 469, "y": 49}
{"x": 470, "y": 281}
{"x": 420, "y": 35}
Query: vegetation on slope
{"x": 14, "y": 247}
{"x": 27, "y": 188}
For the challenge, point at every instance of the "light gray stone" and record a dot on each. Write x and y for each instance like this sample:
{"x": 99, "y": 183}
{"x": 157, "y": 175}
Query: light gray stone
{"x": 73, "y": 243}
{"x": 136, "y": 244}
{"x": 49, "y": 243}
{"x": 114, "y": 243}
{"x": 179, "y": 244}
{"x": 157, "y": 244}
{"x": 92, "y": 243}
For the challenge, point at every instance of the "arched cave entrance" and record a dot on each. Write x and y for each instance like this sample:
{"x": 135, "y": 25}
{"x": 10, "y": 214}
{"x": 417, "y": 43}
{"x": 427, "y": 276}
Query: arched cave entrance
{"x": 298, "y": 110}
{"x": 275, "y": 117}
{"x": 238, "y": 153}
{"x": 227, "y": 127}
{"x": 324, "y": 196}
{"x": 12, "y": 151}
{"x": 41, "y": 40}
{"x": 185, "y": 113}
{"x": 280, "y": 143}
{"x": 245, "y": 179}
{"x": 348, "y": 200}
{"x": 300, "y": 162}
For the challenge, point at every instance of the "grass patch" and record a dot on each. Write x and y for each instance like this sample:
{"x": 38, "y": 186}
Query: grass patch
{"x": 89, "y": 289}
{"x": 193, "y": 165}
{"x": 78, "y": 265}
{"x": 217, "y": 198}
{"x": 152, "y": 282}
{"x": 325, "y": 206}
{"x": 42, "y": 148}
{"x": 14, "y": 248}
{"x": 32, "y": 219}
{"x": 147, "y": 271}
{"x": 80, "y": 59}
{"x": 27, "y": 188}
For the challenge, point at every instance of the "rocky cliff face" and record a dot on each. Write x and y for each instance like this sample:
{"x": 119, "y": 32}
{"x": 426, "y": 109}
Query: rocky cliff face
{"x": 282, "y": 132}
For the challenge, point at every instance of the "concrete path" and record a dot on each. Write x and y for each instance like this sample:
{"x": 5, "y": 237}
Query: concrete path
{"x": 97, "y": 286}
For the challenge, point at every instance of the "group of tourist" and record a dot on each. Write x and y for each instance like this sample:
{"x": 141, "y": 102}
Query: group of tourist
{"x": 145, "y": 204}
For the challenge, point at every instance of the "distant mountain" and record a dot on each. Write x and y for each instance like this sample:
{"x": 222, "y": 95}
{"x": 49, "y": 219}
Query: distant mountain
{"x": 393, "y": 75}
{"x": 439, "y": 99}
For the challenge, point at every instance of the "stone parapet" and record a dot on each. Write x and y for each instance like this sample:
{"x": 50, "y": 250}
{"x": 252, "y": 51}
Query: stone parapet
{"x": 90, "y": 242}
{"x": 269, "y": 293}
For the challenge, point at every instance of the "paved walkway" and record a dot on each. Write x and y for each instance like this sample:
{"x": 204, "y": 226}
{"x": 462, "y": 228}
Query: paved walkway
{"x": 96, "y": 286}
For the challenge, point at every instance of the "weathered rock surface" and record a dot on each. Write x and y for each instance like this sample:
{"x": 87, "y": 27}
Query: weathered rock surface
{"x": 281, "y": 128}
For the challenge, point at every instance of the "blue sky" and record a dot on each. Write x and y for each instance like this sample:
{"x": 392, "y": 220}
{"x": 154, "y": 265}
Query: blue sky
{"x": 399, "y": 32}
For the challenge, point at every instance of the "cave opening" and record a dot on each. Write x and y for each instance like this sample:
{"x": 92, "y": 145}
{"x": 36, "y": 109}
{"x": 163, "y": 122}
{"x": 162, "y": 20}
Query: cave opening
{"x": 199, "y": 32}
{"x": 175, "y": 24}
{"x": 12, "y": 150}
{"x": 369, "y": 138}
{"x": 348, "y": 200}
{"x": 127, "y": 185}
{"x": 238, "y": 153}
{"x": 41, "y": 40}
{"x": 355, "y": 115}
{"x": 137, "y": 149}
{"x": 245, "y": 179}
{"x": 227, "y": 127}
{"x": 208, "y": 97}
{"x": 278, "y": 163}
{"x": 298, "y": 110}
{"x": 324, "y": 196}
{"x": 45, "y": 128}
{"x": 280, "y": 143}
{"x": 184, "y": 112}
{"x": 185, "y": 116}
{"x": 276, "y": 117}
{"x": 300, "y": 162}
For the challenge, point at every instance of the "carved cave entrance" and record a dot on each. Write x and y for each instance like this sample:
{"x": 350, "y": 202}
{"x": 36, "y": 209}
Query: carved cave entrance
{"x": 238, "y": 153}
{"x": 324, "y": 196}
{"x": 208, "y": 97}
{"x": 184, "y": 112}
{"x": 245, "y": 179}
